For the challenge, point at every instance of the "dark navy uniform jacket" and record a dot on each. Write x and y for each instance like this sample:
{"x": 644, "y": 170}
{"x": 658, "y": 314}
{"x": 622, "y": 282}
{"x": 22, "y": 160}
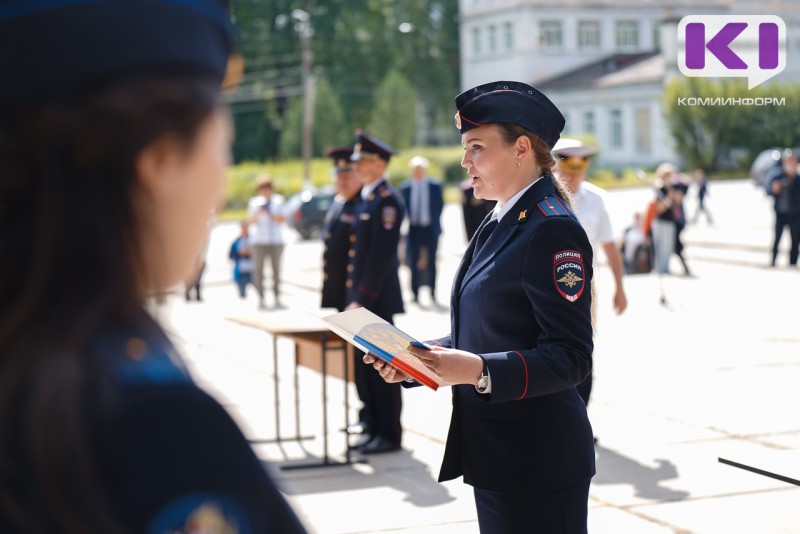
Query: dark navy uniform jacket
{"x": 337, "y": 238}
{"x": 373, "y": 280}
{"x": 524, "y": 306}
{"x": 170, "y": 455}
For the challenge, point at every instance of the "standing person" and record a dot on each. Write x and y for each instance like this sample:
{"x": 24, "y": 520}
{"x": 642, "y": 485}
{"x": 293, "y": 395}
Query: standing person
{"x": 572, "y": 162}
{"x": 521, "y": 330}
{"x": 424, "y": 200}
{"x": 373, "y": 281}
{"x": 784, "y": 186}
{"x": 678, "y": 189}
{"x": 337, "y": 238}
{"x": 662, "y": 227}
{"x": 113, "y": 150}
{"x": 701, "y": 180}
{"x": 242, "y": 259}
{"x": 267, "y": 236}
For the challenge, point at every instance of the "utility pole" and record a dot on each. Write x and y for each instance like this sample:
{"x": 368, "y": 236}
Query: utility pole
{"x": 306, "y": 32}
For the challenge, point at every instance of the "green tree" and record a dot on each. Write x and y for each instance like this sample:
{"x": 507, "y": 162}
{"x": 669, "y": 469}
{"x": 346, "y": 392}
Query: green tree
{"x": 727, "y": 118}
{"x": 394, "y": 114}
{"x": 329, "y": 127}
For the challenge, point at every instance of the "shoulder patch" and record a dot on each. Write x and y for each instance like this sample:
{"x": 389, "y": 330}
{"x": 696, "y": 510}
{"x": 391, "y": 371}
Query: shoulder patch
{"x": 568, "y": 274}
{"x": 553, "y": 207}
{"x": 384, "y": 192}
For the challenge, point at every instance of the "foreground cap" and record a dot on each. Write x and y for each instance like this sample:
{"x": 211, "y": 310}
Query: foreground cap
{"x": 573, "y": 148}
{"x": 340, "y": 157}
{"x": 368, "y": 147}
{"x": 49, "y": 46}
{"x": 509, "y": 103}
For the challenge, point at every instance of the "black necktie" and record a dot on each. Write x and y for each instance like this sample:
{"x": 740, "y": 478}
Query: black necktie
{"x": 483, "y": 235}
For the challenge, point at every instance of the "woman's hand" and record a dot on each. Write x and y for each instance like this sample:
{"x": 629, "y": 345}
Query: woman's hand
{"x": 390, "y": 374}
{"x": 451, "y": 365}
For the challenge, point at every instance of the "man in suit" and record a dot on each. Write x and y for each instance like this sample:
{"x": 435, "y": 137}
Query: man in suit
{"x": 424, "y": 201}
{"x": 372, "y": 277}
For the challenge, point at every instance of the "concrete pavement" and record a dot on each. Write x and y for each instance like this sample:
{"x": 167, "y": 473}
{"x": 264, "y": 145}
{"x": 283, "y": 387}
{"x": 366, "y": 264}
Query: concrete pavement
{"x": 716, "y": 372}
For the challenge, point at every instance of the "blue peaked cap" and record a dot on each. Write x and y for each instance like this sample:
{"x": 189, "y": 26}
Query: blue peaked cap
{"x": 51, "y": 46}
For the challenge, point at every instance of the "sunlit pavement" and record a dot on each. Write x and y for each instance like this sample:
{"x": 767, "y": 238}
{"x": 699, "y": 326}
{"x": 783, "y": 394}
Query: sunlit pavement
{"x": 715, "y": 372}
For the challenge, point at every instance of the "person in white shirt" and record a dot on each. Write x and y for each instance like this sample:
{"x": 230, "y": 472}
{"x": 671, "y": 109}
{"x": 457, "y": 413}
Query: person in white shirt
{"x": 267, "y": 236}
{"x": 572, "y": 161}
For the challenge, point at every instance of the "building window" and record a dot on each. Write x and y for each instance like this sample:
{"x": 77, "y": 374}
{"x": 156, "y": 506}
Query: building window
{"x": 643, "y": 131}
{"x": 627, "y": 34}
{"x": 616, "y": 128}
{"x": 550, "y": 36}
{"x": 492, "y": 39}
{"x": 588, "y": 122}
{"x": 476, "y": 41}
{"x": 508, "y": 35}
{"x": 588, "y": 34}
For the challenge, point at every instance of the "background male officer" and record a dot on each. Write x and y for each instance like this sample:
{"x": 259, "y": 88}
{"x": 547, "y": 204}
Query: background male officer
{"x": 337, "y": 238}
{"x": 424, "y": 201}
{"x": 372, "y": 277}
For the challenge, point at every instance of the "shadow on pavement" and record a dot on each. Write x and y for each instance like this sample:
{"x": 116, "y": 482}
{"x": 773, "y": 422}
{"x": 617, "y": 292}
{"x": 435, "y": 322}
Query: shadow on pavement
{"x": 614, "y": 468}
{"x": 399, "y": 471}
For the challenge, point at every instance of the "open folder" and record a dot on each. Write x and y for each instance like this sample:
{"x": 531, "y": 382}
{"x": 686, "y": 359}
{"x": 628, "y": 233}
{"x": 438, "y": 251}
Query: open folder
{"x": 372, "y": 334}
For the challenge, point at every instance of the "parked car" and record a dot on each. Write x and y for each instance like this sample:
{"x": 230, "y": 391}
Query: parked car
{"x": 765, "y": 162}
{"x": 306, "y": 212}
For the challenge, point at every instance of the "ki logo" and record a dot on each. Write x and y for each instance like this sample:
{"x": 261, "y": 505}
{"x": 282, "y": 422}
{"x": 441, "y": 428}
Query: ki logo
{"x": 724, "y": 46}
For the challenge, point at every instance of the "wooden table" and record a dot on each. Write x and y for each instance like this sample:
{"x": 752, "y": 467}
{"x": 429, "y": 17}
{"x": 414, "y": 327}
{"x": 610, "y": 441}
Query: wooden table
{"x": 301, "y": 326}
{"x": 782, "y": 465}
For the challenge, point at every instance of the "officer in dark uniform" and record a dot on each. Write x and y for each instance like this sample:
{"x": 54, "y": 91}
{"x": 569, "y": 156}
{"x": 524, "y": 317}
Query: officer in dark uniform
{"x": 473, "y": 209}
{"x": 338, "y": 236}
{"x": 521, "y": 334}
{"x": 105, "y": 202}
{"x": 373, "y": 280}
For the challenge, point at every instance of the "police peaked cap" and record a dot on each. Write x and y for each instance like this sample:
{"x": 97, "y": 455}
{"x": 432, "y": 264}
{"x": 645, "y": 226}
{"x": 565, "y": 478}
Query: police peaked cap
{"x": 368, "y": 145}
{"x": 340, "y": 156}
{"x": 573, "y": 147}
{"x": 49, "y": 46}
{"x": 507, "y": 102}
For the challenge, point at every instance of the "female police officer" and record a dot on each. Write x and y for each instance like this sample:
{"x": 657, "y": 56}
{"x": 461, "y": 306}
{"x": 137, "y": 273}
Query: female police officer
{"x": 112, "y": 155}
{"x": 521, "y": 332}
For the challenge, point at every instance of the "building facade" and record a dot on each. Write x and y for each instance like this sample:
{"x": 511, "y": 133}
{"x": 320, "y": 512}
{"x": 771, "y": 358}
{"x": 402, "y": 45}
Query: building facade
{"x": 604, "y": 63}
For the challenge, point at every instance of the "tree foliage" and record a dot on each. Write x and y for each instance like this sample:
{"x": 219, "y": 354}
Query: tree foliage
{"x": 725, "y": 119}
{"x": 394, "y": 117}
{"x": 330, "y": 128}
{"x": 355, "y": 44}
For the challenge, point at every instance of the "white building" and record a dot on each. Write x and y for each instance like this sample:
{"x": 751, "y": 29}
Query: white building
{"x": 604, "y": 63}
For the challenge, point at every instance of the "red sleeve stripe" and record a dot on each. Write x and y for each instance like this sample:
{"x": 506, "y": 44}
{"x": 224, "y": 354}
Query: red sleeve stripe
{"x": 524, "y": 391}
{"x": 435, "y": 341}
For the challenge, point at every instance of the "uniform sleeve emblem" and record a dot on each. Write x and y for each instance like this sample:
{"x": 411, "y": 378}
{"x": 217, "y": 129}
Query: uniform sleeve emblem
{"x": 389, "y": 217}
{"x": 569, "y": 274}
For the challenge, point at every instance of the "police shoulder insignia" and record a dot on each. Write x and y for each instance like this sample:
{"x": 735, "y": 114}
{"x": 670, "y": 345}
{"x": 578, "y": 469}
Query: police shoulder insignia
{"x": 389, "y": 217}
{"x": 384, "y": 192}
{"x": 569, "y": 274}
{"x": 553, "y": 207}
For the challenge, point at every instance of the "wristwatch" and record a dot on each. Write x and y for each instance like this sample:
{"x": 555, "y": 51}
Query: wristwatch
{"x": 483, "y": 380}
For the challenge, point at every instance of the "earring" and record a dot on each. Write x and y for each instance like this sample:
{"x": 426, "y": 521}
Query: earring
{"x": 519, "y": 164}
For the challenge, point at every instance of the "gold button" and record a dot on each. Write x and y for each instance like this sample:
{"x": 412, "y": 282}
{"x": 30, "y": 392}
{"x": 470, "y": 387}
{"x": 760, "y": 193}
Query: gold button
{"x": 349, "y": 283}
{"x": 352, "y": 252}
{"x": 352, "y": 238}
{"x": 349, "y": 268}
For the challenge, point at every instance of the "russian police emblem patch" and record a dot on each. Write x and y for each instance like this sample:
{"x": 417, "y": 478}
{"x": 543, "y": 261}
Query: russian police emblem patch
{"x": 569, "y": 274}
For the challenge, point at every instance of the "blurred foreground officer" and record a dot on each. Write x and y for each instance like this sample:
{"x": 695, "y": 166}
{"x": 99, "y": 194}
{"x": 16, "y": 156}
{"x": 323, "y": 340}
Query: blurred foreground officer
{"x": 424, "y": 201}
{"x": 572, "y": 161}
{"x": 474, "y": 210}
{"x": 338, "y": 237}
{"x": 373, "y": 281}
{"x": 521, "y": 334}
{"x": 113, "y": 150}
